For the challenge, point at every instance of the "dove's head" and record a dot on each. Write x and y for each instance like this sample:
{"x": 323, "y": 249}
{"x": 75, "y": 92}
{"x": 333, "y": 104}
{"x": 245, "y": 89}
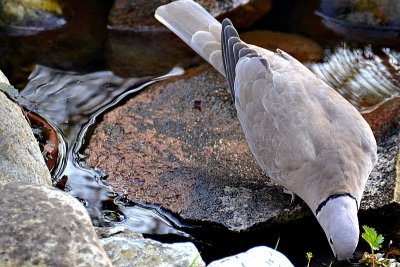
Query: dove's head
{"x": 338, "y": 218}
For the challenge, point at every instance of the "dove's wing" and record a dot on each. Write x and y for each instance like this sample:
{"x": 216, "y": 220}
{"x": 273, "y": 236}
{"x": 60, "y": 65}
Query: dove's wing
{"x": 299, "y": 129}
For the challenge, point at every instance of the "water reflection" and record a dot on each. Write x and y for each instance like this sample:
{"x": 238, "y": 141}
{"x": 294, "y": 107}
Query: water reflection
{"x": 73, "y": 103}
{"x": 372, "y": 21}
{"x": 364, "y": 77}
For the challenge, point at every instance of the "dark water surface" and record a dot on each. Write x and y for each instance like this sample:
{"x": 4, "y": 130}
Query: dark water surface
{"x": 74, "y": 74}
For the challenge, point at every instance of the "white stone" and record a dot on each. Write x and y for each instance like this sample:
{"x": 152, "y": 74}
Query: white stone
{"x": 258, "y": 256}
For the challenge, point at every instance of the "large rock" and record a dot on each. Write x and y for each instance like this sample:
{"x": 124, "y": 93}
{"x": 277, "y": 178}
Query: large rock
{"x": 43, "y": 226}
{"x": 127, "y": 249}
{"x": 139, "y": 14}
{"x": 20, "y": 156}
{"x": 180, "y": 144}
{"x": 258, "y": 256}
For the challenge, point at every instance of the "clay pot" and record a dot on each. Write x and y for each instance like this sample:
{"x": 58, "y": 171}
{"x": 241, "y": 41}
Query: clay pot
{"x": 46, "y": 136}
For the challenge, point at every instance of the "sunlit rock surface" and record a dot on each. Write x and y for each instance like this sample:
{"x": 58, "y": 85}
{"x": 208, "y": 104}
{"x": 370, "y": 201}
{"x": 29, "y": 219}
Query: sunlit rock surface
{"x": 126, "y": 248}
{"x": 301, "y": 48}
{"x": 258, "y": 256}
{"x": 139, "y": 14}
{"x": 179, "y": 144}
{"x": 43, "y": 226}
{"x": 20, "y": 156}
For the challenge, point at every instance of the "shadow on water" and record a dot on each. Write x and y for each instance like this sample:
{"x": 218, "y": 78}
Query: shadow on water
{"x": 70, "y": 87}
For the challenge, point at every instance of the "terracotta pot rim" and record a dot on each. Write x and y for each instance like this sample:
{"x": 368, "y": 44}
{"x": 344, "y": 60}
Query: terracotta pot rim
{"x": 52, "y": 137}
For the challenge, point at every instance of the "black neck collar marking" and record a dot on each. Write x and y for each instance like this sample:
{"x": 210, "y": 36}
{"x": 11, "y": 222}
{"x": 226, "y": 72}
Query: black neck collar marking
{"x": 323, "y": 203}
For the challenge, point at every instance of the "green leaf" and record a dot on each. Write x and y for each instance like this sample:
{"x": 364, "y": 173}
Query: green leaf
{"x": 309, "y": 255}
{"x": 277, "y": 243}
{"x": 194, "y": 260}
{"x": 373, "y": 239}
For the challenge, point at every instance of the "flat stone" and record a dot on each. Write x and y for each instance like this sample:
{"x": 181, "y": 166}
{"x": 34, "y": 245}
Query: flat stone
{"x": 43, "y": 226}
{"x": 179, "y": 144}
{"x": 126, "y": 248}
{"x": 258, "y": 256}
{"x": 301, "y": 48}
{"x": 20, "y": 156}
{"x": 139, "y": 14}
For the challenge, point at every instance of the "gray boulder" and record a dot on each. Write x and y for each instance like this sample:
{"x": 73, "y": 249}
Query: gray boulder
{"x": 43, "y": 226}
{"x": 126, "y": 248}
{"x": 20, "y": 156}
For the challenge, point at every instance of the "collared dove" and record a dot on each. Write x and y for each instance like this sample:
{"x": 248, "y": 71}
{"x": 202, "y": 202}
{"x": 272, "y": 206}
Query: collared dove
{"x": 303, "y": 134}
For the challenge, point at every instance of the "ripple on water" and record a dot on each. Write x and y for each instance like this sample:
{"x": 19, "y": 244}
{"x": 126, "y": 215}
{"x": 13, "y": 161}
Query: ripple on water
{"x": 364, "y": 77}
{"x": 73, "y": 102}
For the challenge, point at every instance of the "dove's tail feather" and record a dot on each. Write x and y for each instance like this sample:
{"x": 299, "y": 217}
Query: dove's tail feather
{"x": 196, "y": 27}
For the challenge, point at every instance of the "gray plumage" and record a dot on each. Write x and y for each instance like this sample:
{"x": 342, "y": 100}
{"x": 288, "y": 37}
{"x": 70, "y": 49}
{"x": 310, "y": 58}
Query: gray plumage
{"x": 303, "y": 134}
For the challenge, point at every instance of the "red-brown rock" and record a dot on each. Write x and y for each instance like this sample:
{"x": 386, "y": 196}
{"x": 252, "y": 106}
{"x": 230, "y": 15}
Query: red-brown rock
{"x": 384, "y": 118}
{"x": 301, "y": 48}
{"x": 139, "y": 14}
{"x": 180, "y": 144}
